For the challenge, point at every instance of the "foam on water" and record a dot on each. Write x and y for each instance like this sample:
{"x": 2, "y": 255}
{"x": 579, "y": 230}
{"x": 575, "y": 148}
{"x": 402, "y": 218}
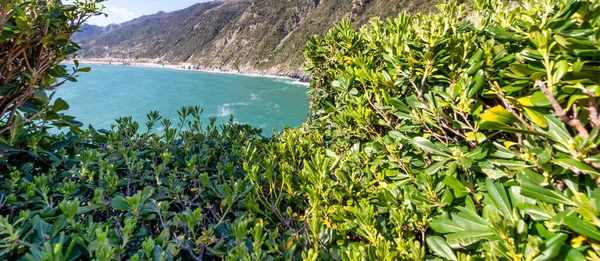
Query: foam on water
{"x": 226, "y": 109}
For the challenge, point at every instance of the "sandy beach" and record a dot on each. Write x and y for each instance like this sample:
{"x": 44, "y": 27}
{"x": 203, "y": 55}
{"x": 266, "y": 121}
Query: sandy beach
{"x": 179, "y": 66}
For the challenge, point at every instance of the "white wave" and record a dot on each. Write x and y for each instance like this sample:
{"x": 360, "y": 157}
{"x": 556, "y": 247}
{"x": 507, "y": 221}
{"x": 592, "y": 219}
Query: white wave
{"x": 226, "y": 109}
{"x": 292, "y": 81}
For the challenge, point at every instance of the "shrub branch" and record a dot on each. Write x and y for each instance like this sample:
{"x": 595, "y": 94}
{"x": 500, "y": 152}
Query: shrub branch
{"x": 562, "y": 114}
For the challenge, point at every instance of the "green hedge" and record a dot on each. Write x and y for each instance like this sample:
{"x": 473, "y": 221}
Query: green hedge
{"x": 478, "y": 131}
{"x": 463, "y": 135}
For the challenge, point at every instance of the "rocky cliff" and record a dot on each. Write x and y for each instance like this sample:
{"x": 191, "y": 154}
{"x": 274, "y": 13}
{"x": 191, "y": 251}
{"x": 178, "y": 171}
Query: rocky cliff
{"x": 250, "y": 36}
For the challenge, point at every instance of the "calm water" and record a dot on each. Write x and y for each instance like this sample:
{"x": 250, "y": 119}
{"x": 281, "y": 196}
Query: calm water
{"x": 109, "y": 92}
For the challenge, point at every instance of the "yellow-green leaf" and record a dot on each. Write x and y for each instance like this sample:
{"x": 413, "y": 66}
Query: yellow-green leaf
{"x": 479, "y": 137}
{"x": 525, "y": 101}
{"x": 498, "y": 114}
{"x": 537, "y": 117}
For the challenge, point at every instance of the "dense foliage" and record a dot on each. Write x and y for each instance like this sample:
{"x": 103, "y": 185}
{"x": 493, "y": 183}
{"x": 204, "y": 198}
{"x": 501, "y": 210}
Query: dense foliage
{"x": 476, "y": 134}
{"x": 458, "y": 136}
{"x": 34, "y": 38}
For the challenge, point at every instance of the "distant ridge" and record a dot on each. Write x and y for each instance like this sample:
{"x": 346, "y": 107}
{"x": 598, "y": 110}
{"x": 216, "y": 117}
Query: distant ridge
{"x": 248, "y": 36}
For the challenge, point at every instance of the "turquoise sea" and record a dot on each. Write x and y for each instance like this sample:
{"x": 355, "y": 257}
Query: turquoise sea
{"x": 109, "y": 92}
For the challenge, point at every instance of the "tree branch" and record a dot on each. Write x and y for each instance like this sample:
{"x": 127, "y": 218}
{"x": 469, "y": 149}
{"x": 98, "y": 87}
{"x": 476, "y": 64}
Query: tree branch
{"x": 562, "y": 114}
{"x": 6, "y": 128}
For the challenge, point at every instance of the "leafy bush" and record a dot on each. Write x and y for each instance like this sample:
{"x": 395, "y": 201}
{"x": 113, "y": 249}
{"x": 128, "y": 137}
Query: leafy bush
{"x": 478, "y": 132}
{"x": 121, "y": 194}
{"x": 34, "y": 38}
{"x": 458, "y": 135}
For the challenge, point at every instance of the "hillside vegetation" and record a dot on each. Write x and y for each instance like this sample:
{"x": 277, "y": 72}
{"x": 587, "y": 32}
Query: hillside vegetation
{"x": 263, "y": 36}
{"x": 445, "y": 136}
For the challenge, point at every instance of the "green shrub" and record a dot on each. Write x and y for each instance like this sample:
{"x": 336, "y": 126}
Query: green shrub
{"x": 458, "y": 135}
{"x": 478, "y": 131}
{"x": 195, "y": 191}
{"x": 34, "y": 39}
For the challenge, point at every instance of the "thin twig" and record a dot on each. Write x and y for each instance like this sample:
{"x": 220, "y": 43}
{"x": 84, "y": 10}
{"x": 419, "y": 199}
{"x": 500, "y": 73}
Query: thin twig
{"x": 23, "y": 243}
{"x": 23, "y": 122}
{"x": 118, "y": 229}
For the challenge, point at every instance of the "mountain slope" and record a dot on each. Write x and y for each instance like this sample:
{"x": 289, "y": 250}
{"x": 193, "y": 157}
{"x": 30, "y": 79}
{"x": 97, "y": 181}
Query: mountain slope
{"x": 253, "y": 36}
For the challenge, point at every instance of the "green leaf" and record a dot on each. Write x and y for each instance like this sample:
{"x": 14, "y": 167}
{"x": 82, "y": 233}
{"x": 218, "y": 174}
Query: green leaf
{"x": 525, "y": 101}
{"x": 539, "y": 99}
{"x": 85, "y": 209}
{"x": 84, "y": 69}
{"x": 426, "y": 145}
{"x": 40, "y": 227}
{"x": 553, "y": 246}
{"x": 22, "y": 24}
{"x": 536, "y": 213}
{"x": 331, "y": 154}
{"x": 469, "y": 237}
{"x": 577, "y": 66}
{"x": 478, "y": 81}
{"x": 434, "y": 168}
{"x": 119, "y": 203}
{"x": 439, "y": 246}
{"x": 497, "y": 194}
{"x": 469, "y": 220}
{"x": 560, "y": 69}
{"x": 494, "y": 173}
{"x": 512, "y": 164}
{"x": 455, "y": 184}
{"x": 500, "y": 151}
{"x": 556, "y": 130}
{"x": 568, "y": 253}
{"x": 577, "y": 166}
{"x": 7, "y": 149}
{"x": 396, "y": 103}
{"x": 445, "y": 225}
{"x": 57, "y": 226}
{"x": 539, "y": 193}
{"x": 19, "y": 11}
{"x": 396, "y": 135}
{"x": 582, "y": 227}
{"x": 60, "y": 105}
{"x": 6, "y": 36}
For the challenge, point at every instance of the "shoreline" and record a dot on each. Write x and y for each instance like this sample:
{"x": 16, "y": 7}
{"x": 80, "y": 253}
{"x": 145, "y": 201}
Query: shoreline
{"x": 180, "y": 67}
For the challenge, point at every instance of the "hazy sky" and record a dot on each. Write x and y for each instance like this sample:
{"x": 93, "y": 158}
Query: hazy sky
{"x": 124, "y": 10}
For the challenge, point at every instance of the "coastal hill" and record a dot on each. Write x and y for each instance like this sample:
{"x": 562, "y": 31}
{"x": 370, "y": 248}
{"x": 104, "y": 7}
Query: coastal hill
{"x": 247, "y": 36}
